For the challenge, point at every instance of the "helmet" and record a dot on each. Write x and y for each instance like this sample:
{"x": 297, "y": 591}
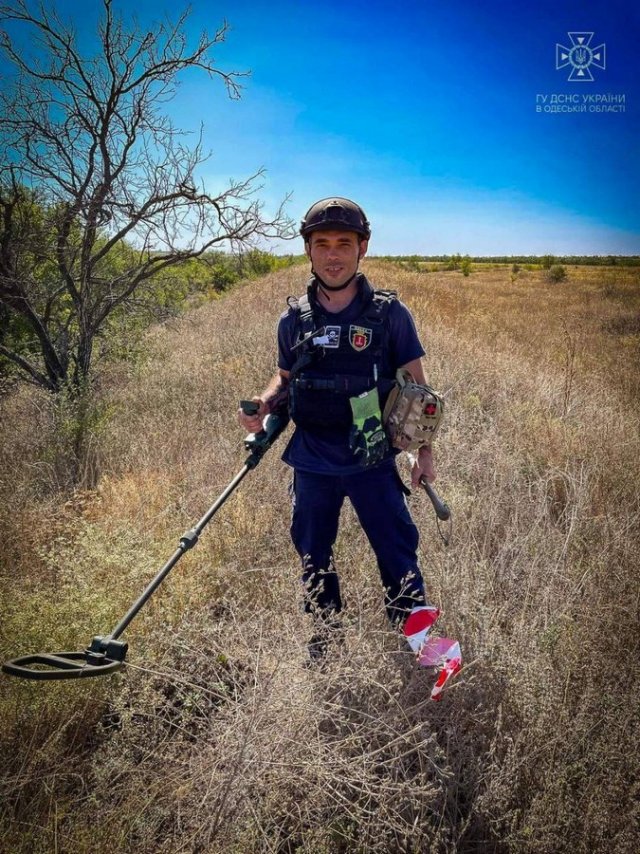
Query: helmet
{"x": 336, "y": 214}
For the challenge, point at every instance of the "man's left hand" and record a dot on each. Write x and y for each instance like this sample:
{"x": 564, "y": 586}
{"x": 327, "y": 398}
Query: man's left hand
{"x": 423, "y": 467}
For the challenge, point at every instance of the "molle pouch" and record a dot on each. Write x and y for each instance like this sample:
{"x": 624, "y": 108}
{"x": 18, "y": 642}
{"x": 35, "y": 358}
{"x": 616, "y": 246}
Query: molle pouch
{"x": 412, "y": 414}
{"x": 368, "y": 440}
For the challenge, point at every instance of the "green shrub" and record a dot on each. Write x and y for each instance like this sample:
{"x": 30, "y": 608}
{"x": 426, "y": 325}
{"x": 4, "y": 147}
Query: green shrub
{"x": 557, "y": 273}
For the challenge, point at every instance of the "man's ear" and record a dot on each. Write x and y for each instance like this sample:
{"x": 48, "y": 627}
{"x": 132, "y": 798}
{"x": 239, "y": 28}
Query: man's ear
{"x": 307, "y": 248}
{"x": 364, "y": 245}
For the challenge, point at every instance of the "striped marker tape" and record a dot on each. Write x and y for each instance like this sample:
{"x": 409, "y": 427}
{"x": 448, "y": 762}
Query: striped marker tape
{"x": 418, "y": 625}
{"x": 443, "y": 653}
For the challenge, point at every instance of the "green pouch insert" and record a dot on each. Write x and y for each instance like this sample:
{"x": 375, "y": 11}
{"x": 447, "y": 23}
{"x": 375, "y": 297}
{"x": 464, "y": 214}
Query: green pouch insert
{"x": 368, "y": 441}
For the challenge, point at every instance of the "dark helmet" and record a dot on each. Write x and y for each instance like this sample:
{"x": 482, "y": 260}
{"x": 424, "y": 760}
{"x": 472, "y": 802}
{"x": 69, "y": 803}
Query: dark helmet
{"x": 335, "y": 214}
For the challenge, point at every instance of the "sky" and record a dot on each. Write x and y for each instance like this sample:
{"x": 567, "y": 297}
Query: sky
{"x": 434, "y": 116}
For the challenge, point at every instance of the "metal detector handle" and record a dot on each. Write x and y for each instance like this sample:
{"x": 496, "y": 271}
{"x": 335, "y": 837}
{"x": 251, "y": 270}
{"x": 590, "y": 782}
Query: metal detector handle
{"x": 259, "y": 443}
{"x": 249, "y": 407}
{"x": 441, "y": 507}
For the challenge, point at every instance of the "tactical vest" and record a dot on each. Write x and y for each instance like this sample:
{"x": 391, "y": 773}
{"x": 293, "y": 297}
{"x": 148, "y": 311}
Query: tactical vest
{"x": 337, "y": 361}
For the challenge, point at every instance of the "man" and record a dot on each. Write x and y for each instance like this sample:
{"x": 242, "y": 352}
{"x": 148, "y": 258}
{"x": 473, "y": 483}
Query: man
{"x": 340, "y": 347}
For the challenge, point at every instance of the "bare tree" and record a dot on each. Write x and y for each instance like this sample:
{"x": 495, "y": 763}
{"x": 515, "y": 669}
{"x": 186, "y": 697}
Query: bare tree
{"x": 92, "y": 167}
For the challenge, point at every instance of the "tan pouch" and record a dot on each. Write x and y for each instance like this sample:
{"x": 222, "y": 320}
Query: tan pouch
{"x": 412, "y": 414}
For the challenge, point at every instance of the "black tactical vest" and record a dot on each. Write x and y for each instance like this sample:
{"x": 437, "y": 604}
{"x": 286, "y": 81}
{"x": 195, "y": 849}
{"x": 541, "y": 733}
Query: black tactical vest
{"x": 337, "y": 361}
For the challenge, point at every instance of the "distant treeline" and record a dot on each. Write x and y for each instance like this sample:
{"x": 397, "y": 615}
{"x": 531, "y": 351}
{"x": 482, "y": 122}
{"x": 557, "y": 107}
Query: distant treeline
{"x": 536, "y": 261}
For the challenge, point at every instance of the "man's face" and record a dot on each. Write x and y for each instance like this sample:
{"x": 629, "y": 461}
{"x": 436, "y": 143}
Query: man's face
{"x": 335, "y": 255}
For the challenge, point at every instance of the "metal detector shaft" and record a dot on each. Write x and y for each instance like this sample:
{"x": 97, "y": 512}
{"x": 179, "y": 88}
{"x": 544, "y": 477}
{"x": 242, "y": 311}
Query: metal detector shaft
{"x": 258, "y": 444}
{"x": 187, "y": 541}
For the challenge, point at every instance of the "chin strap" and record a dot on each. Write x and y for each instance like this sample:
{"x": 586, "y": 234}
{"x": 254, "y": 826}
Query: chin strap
{"x": 326, "y": 289}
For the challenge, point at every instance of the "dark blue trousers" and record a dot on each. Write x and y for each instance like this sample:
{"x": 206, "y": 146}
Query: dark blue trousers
{"x": 378, "y": 498}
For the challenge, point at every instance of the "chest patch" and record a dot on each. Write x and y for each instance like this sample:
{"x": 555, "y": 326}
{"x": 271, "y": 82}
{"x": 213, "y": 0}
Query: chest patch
{"x": 332, "y": 335}
{"x": 359, "y": 337}
{"x": 328, "y": 336}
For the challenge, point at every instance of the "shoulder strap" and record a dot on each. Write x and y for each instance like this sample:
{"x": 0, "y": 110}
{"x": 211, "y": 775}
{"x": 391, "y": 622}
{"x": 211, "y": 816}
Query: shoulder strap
{"x": 307, "y": 326}
{"x": 378, "y": 308}
{"x": 304, "y": 311}
{"x": 386, "y": 295}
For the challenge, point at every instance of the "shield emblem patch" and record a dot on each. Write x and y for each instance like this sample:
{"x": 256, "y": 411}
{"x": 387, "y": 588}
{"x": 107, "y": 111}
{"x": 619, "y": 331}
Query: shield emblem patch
{"x": 359, "y": 337}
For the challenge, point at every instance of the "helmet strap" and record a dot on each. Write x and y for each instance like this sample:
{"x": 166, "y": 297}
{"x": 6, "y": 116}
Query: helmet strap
{"x": 325, "y": 288}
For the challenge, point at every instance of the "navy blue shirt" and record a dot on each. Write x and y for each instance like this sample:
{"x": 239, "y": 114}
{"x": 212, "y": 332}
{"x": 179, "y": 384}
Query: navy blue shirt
{"x": 329, "y": 454}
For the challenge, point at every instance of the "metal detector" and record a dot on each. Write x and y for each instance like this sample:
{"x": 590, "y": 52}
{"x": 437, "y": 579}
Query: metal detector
{"x": 106, "y": 653}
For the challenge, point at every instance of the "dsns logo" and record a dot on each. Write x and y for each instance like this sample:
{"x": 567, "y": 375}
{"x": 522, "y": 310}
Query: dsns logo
{"x": 581, "y": 57}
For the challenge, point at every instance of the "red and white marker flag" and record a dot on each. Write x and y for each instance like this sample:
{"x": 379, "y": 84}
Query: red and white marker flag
{"x": 418, "y": 625}
{"x": 443, "y": 653}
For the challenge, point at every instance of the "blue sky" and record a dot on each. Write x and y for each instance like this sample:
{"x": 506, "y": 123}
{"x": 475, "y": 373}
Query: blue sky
{"x": 425, "y": 113}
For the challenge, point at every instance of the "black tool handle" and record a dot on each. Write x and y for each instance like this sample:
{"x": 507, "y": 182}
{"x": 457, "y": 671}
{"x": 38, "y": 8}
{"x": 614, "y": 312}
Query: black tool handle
{"x": 249, "y": 407}
{"x": 441, "y": 507}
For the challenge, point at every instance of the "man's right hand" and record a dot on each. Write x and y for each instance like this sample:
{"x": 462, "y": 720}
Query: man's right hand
{"x": 253, "y": 423}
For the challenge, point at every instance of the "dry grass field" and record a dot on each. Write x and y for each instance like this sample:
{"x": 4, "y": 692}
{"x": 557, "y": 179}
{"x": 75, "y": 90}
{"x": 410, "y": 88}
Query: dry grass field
{"x": 216, "y": 737}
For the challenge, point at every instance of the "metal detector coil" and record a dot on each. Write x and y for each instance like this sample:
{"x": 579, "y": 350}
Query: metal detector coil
{"x": 106, "y": 654}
